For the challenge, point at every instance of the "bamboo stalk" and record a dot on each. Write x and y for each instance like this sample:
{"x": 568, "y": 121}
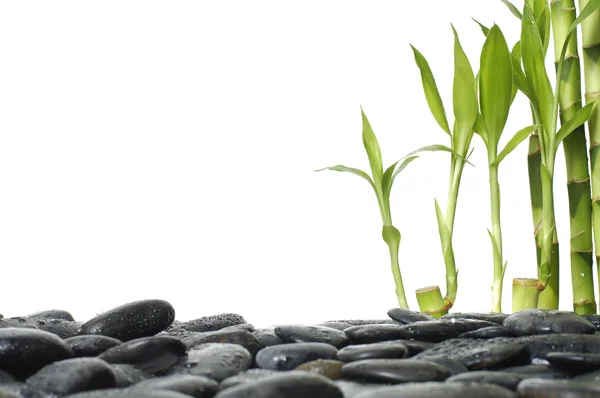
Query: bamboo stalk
{"x": 525, "y": 293}
{"x": 590, "y": 29}
{"x": 431, "y": 302}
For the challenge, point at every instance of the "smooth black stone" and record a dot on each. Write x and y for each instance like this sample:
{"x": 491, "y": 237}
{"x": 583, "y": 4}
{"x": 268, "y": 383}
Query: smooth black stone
{"x": 216, "y": 361}
{"x": 267, "y": 337}
{"x": 151, "y": 354}
{"x": 588, "y": 376}
{"x": 71, "y": 376}
{"x": 532, "y": 388}
{"x": 362, "y": 322}
{"x": 539, "y": 346}
{"x": 311, "y": 334}
{"x": 443, "y": 329}
{"x": 128, "y": 393}
{"x": 18, "y": 322}
{"x": 133, "y": 320}
{"x": 535, "y": 321}
{"x": 485, "y": 316}
{"x": 503, "y": 379}
{"x": 246, "y": 376}
{"x": 452, "y": 365}
{"x": 213, "y": 323}
{"x": 330, "y": 368}
{"x": 406, "y": 316}
{"x": 53, "y": 314}
{"x": 487, "y": 333}
{"x": 594, "y": 319}
{"x": 352, "y": 388}
{"x": 127, "y": 375}
{"x": 241, "y": 337}
{"x": 538, "y": 371}
{"x": 6, "y": 377}
{"x": 574, "y": 361}
{"x": 480, "y": 354}
{"x": 395, "y": 371}
{"x": 91, "y": 345}
{"x": 387, "y": 349}
{"x": 62, "y": 328}
{"x": 242, "y": 326}
{"x": 440, "y": 390}
{"x": 290, "y": 356}
{"x": 336, "y": 325}
{"x": 366, "y": 334}
{"x": 294, "y": 384}
{"x": 195, "y": 386}
{"x": 25, "y": 351}
{"x": 416, "y": 346}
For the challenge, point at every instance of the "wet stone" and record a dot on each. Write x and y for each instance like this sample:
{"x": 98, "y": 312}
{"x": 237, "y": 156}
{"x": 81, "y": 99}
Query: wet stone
{"x": 128, "y": 375}
{"x": 71, "y": 376}
{"x": 574, "y": 361}
{"x": 452, "y": 365}
{"x": 216, "y": 361}
{"x": 594, "y": 319}
{"x": 538, "y": 371}
{"x": 5, "y": 377}
{"x": 539, "y": 346}
{"x": 589, "y": 376}
{"x": 489, "y": 316}
{"x": 242, "y": 326}
{"x": 366, "y": 334}
{"x": 213, "y": 322}
{"x": 151, "y": 354}
{"x": 405, "y": 316}
{"x": 267, "y": 337}
{"x": 195, "y": 386}
{"x": 25, "y": 351}
{"x": 312, "y": 334}
{"x": 62, "y": 328}
{"x": 246, "y": 376}
{"x": 130, "y": 321}
{"x": 231, "y": 336}
{"x": 294, "y": 384}
{"x": 290, "y": 356}
{"x": 128, "y": 393}
{"x": 500, "y": 378}
{"x": 18, "y": 322}
{"x": 53, "y": 314}
{"x": 487, "y": 333}
{"x": 536, "y": 321}
{"x": 558, "y": 388}
{"x": 336, "y": 325}
{"x": 440, "y": 390}
{"x": 329, "y": 368}
{"x": 90, "y": 345}
{"x": 362, "y": 322}
{"x": 394, "y": 371}
{"x": 443, "y": 329}
{"x": 387, "y": 349}
{"x": 480, "y": 354}
{"x": 352, "y": 388}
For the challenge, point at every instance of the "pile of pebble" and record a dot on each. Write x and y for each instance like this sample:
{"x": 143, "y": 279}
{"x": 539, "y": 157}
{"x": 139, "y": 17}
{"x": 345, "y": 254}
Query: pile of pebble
{"x": 140, "y": 350}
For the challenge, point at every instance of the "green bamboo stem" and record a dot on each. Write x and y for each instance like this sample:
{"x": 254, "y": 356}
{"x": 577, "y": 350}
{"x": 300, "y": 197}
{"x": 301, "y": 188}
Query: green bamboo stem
{"x": 534, "y": 162}
{"x": 496, "y": 236}
{"x": 590, "y": 33}
{"x": 431, "y": 302}
{"x": 525, "y": 293}
{"x": 391, "y": 236}
{"x": 575, "y": 149}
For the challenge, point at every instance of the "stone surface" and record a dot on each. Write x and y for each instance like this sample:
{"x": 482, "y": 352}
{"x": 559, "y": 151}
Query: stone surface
{"x": 395, "y": 371}
{"x": 535, "y": 321}
{"x": 290, "y": 356}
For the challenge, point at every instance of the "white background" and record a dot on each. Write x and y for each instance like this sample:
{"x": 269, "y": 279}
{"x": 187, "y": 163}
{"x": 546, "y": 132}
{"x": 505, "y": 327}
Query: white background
{"x": 166, "y": 150}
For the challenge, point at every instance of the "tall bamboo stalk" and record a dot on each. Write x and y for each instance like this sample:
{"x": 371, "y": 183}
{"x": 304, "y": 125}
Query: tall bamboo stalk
{"x": 575, "y": 149}
{"x": 590, "y": 29}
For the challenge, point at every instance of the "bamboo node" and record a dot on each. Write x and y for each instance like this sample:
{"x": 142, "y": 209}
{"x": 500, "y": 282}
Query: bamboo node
{"x": 594, "y": 144}
{"x": 578, "y": 180}
{"x": 588, "y": 46}
{"x": 536, "y": 153}
{"x": 595, "y": 199}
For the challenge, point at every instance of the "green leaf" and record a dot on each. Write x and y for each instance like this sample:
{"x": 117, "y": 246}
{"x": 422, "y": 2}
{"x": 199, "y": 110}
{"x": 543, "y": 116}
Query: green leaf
{"x": 520, "y": 80}
{"x": 577, "y": 120}
{"x": 403, "y": 165}
{"x": 484, "y": 28}
{"x": 512, "y": 8}
{"x": 514, "y": 142}
{"x": 543, "y": 24}
{"x": 435, "y": 148}
{"x": 352, "y": 170}
{"x": 535, "y": 70}
{"x": 480, "y": 129}
{"x": 495, "y": 87}
{"x": 497, "y": 256}
{"x": 464, "y": 97}
{"x": 445, "y": 235}
{"x": 373, "y": 152}
{"x": 432, "y": 94}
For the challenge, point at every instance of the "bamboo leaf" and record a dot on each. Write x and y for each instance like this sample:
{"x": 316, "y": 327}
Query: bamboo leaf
{"x": 352, "y": 170}
{"x": 535, "y": 70}
{"x": 512, "y": 8}
{"x": 464, "y": 97}
{"x": 444, "y": 232}
{"x": 484, "y": 28}
{"x": 373, "y": 151}
{"x": 495, "y": 87}
{"x": 436, "y": 148}
{"x": 480, "y": 129}
{"x": 402, "y": 166}
{"x": 514, "y": 142}
{"x": 497, "y": 257}
{"x": 432, "y": 94}
{"x": 577, "y": 120}
{"x": 543, "y": 24}
{"x": 520, "y": 81}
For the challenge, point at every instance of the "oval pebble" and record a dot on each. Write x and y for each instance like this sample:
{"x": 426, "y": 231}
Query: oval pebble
{"x": 267, "y": 337}
{"x": 246, "y": 376}
{"x": 575, "y": 361}
{"x": 290, "y": 356}
{"x": 216, "y": 361}
{"x": 91, "y": 345}
{"x": 395, "y": 371}
{"x": 53, "y": 314}
{"x": 133, "y": 320}
{"x": 329, "y": 368}
{"x": 128, "y": 375}
{"x": 128, "y": 393}
{"x": 195, "y": 386}
{"x": 534, "y": 388}
{"x": 312, "y": 334}
{"x": 503, "y": 379}
{"x": 232, "y": 336}
{"x": 366, "y": 334}
{"x": 213, "y": 322}
{"x": 442, "y": 329}
{"x": 25, "y": 351}
{"x": 406, "y": 316}
{"x": 386, "y": 349}
{"x": 536, "y": 321}
{"x": 293, "y": 384}
{"x": 440, "y": 390}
